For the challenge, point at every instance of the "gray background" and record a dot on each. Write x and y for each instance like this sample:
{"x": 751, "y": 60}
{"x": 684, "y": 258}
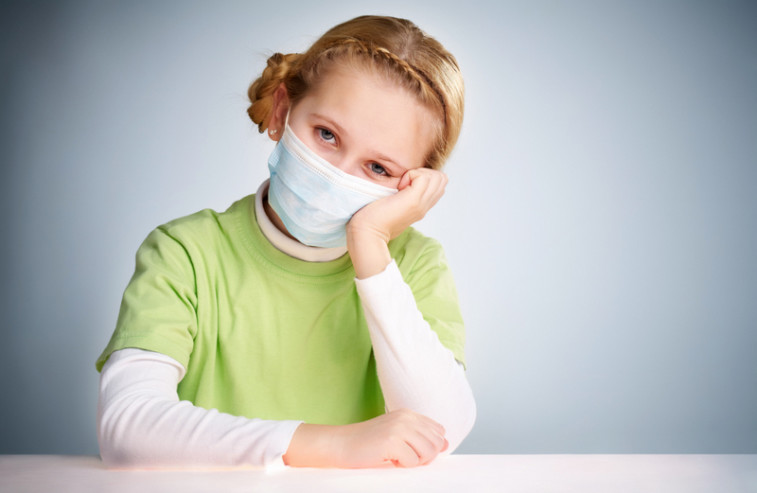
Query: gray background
{"x": 600, "y": 217}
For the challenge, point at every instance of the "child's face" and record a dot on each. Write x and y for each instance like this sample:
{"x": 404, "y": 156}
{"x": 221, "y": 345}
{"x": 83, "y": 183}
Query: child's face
{"x": 364, "y": 125}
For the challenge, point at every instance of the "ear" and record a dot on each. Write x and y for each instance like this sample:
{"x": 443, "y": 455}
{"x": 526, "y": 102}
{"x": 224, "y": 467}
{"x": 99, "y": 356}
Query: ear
{"x": 279, "y": 112}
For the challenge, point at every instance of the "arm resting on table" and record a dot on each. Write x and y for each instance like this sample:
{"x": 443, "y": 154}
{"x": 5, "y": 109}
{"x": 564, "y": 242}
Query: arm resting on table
{"x": 142, "y": 424}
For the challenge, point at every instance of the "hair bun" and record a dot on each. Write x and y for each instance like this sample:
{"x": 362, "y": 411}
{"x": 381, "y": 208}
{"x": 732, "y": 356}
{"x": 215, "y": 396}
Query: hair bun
{"x": 261, "y": 91}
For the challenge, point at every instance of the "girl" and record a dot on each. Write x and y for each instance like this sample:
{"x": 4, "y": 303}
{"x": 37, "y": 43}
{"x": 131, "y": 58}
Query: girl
{"x": 308, "y": 324}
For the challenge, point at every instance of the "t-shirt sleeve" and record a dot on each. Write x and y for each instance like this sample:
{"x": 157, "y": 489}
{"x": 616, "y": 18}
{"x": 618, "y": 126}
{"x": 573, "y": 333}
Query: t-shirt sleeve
{"x": 158, "y": 309}
{"x": 428, "y": 274}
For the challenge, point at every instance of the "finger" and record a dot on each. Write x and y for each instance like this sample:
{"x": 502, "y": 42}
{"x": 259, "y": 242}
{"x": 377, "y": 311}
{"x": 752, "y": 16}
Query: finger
{"x": 419, "y": 175}
{"x": 423, "y": 449}
{"x": 414, "y": 178}
{"x": 433, "y": 193}
{"x": 434, "y": 183}
{"x": 438, "y": 445}
{"x": 425, "y": 190}
{"x": 430, "y": 424}
{"x": 439, "y": 182}
{"x": 422, "y": 434}
{"x": 405, "y": 181}
{"x": 438, "y": 438}
{"x": 427, "y": 446}
{"x": 405, "y": 456}
{"x": 433, "y": 432}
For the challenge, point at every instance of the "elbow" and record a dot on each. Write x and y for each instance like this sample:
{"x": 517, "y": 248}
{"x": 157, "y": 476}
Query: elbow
{"x": 120, "y": 444}
{"x": 118, "y": 452}
{"x": 112, "y": 457}
{"x": 114, "y": 452}
{"x": 466, "y": 418}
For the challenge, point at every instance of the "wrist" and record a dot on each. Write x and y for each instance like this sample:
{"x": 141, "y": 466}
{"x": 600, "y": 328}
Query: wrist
{"x": 312, "y": 446}
{"x": 369, "y": 251}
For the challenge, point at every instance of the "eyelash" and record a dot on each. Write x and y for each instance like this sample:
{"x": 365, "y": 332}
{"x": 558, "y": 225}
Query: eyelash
{"x": 331, "y": 139}
{"x": 321, "y": 131}
{"x": 383, "y": 171}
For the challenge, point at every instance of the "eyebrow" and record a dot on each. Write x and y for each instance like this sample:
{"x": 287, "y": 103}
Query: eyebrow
{"x": 342, "y": 131}
{"x": 389, "y": 160}
{"x": 331, "y": 122}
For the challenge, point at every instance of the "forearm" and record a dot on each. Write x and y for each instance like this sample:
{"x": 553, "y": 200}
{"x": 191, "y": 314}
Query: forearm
{"x": 368, "y": 249}
{"x": 414, "y": 368}
{"x": 142, "y": 423}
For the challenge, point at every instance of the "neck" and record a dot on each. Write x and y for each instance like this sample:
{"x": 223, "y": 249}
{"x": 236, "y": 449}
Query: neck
{"x": 273, "y": 229}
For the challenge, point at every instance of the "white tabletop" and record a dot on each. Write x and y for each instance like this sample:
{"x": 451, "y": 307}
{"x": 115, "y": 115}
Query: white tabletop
{"x": 463, "y": 473}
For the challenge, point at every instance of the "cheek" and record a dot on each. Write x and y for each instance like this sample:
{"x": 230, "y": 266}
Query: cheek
{"x": 300, "y": 130}
{"x": 394, "y": 183}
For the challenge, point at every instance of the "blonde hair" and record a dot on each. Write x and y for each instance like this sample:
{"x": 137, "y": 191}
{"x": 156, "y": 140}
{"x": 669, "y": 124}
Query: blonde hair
{"x": 416, "y": 61}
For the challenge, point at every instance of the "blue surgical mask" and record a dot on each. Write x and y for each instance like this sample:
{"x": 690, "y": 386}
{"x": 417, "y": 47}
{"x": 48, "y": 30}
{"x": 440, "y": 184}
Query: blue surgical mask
{"x": 313, "y": 198}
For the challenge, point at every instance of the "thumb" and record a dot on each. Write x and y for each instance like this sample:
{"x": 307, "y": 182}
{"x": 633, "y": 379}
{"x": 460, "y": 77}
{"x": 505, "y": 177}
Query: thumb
{"x": 405, "y": 181}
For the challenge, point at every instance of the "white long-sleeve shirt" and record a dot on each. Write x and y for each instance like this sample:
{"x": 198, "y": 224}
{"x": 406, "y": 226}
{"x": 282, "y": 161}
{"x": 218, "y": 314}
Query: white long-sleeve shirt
{"x": 142, "y": 423}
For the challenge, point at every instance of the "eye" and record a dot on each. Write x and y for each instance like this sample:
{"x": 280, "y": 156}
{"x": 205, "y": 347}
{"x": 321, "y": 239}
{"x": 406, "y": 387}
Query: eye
{"x": 378, "y": 169}
{"x": 326, "y": 135}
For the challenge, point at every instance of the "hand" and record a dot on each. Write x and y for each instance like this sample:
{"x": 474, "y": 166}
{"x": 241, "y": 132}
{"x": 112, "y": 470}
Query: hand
{"x": 371, "y": 228}
{"x": 402, "y": 438}
{"x": 419, "y": 190}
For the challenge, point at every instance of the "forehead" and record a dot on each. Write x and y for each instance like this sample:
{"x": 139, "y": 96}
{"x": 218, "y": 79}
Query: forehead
{"x": 375, "y": 113}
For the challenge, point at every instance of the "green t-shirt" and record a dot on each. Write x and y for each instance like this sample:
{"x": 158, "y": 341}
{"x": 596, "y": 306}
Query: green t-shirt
{"x": 265, "y": 335}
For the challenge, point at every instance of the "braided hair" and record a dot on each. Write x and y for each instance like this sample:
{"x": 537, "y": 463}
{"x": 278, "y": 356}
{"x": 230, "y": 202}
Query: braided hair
{"x": 397, "y": 48}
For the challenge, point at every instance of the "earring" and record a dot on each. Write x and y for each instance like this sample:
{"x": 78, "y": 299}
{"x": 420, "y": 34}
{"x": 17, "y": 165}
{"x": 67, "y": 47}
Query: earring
{"x": 273, "y": 131}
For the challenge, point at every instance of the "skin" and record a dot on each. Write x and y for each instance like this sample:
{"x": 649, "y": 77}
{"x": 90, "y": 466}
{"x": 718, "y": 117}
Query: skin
{"x": 371, "y": 128}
